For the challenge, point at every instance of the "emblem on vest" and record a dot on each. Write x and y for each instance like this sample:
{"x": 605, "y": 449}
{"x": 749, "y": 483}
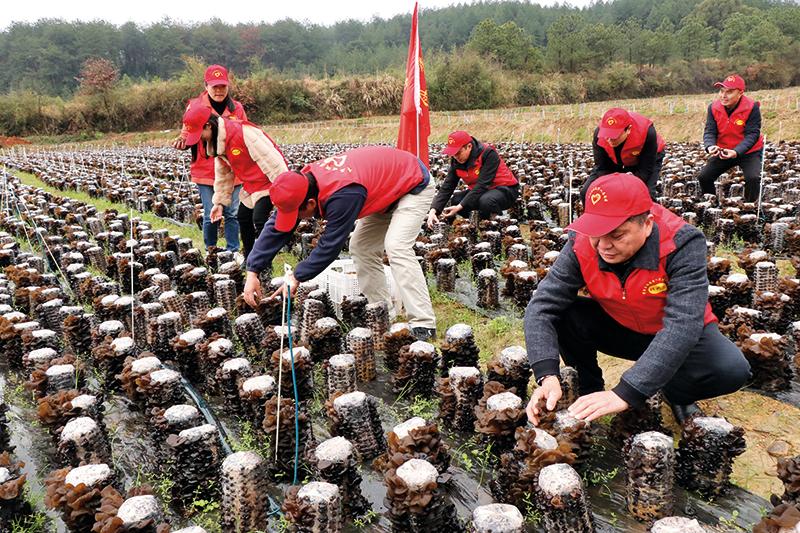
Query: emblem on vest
{"x": 739, "y": 122}
{"x": 236, "y": 151}
{"x": 636, "y": 152}
{"x": 477, "y": 170}
{"x": 597, "y": 194}
{"x": 655, "y": 286}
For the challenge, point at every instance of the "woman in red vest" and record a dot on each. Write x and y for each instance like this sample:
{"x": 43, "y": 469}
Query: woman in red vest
{"x": 217, "y": 98}
{"x": 385, "y": 193}
{"x": 733, "y": 138}
{"x": 626, "y": 142}
{"x": 243, "y": 153}
{"x": 491, "y": 186}
{"x": 645, "y": 271}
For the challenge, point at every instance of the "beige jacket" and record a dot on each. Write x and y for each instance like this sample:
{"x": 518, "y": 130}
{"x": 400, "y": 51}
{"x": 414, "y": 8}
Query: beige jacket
{"x": 266, "y": 155}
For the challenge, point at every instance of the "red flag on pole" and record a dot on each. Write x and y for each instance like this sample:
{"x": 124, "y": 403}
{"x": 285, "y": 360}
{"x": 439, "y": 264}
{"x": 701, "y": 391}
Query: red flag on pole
{"x": 415, "y": 122}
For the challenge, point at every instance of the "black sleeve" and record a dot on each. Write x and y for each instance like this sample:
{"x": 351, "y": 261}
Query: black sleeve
{"x": 446, "y": 189}
{"x": 752, "y": 130}
{"x": 710, "y": 133}
{"x": 267, "y": 246}
{"x": 552, "y": 297}
{"x": 646, "y": 169}
{"x": 489, "y": 166}
{"x": 341, "y": 212}
{"x": 602, "y": 165}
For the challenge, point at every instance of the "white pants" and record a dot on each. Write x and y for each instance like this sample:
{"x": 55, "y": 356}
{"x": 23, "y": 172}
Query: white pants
{"x": 395, "y": 233}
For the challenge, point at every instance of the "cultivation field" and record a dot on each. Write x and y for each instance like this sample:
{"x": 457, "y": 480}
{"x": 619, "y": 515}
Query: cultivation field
{"x": 68, "y": 215}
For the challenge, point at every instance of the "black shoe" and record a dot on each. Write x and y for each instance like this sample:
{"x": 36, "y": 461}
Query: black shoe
{"x": 424, "y": 334}
{"x": 683, "y": 413}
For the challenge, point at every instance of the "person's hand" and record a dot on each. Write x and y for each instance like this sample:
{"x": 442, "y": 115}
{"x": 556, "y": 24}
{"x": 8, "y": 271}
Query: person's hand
{"x": 550, "y": 391}
{"x": 727, "y": 154}
{"x": 252, "y": 289}
{"x": 593, "y": 406}
{"x": 452, "y": 211}
{"x": 216, "y": 213}
{"x": 290, "y": 282}
{"x": 179, "y": 143}
{"x": 713, "y": 149}
{"x": 432, "y": 219}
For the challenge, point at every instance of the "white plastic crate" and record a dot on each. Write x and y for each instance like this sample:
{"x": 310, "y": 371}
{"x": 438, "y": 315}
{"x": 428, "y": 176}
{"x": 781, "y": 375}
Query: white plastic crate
{"x": 339, "y": 280}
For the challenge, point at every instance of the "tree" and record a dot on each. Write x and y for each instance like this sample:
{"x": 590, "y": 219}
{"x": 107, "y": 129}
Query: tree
{"x": 98, "y": 75}
{"x": 694, "y": 40}
{"x": 566, "y": 45}
{"x": 508, "y": 44}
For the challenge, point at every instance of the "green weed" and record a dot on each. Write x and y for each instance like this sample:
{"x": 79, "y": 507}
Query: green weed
{"x": 427, "y": 408}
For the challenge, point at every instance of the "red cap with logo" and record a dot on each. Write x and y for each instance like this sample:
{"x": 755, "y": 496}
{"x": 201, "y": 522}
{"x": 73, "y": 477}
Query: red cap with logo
{"x": 610, "y": 201}
{"x": 613, "y": 123}
{"x": 287, "y": 193}
{"x": 194, "y": 119}
{"x": 216, "y": 75}
{"x": 734, "y": 81}
{"x": 455, "y": 141}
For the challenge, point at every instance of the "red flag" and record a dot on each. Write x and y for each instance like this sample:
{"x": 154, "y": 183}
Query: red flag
{"x": 415, "y": 120}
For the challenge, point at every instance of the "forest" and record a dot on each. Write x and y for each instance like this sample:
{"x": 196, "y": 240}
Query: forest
{"x": 65, "y": 76}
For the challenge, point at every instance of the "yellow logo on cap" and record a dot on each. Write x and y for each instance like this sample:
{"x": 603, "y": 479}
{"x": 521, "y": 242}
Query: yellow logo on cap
{"x": 730, "y": 78}
{"x": 655, "y": 286}
{"x": 450, "y": 140}
{"x": 236, "y": 151}
{"x": 739, "y": 122}
{"x": 217, "y": 73}
{"x": 597, "y": 194}
{"x": 611, "y": 121}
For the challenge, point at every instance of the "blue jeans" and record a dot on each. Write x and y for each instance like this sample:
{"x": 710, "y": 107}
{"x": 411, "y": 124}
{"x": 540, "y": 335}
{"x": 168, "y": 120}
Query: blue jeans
{"x": 210, "y": 229}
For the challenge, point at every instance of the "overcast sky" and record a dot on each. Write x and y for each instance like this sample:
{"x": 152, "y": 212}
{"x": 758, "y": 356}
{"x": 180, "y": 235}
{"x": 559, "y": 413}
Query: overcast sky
{"x": 148, "y": 11}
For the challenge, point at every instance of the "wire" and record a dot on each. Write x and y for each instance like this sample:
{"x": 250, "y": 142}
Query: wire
{"x": 294, "y": 387}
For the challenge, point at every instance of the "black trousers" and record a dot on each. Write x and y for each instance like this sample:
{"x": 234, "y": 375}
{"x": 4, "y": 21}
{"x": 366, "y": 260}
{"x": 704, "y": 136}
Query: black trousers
{"x": 751, "y": 168}
{"x": 492, "y": 202}
{"x": 715, "y": 366}
{"x": 251, "y": 222}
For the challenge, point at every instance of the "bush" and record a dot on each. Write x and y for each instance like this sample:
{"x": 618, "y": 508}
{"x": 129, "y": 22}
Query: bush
{"x": 462, "y": 83}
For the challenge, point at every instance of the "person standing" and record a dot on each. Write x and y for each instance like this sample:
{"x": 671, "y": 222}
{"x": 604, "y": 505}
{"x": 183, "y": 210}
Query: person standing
{"x": 732, "y": 137}
{"x": 645, "y": 271}
{"x": 385, "y": 193}
{"x": 216, "y": 97}
{"x": 625, "y": 141}
{"x": 491, "y": 186}
{"x": 242, "y": 152}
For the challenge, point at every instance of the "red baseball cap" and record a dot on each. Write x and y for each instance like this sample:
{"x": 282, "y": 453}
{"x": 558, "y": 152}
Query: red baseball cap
{"x": 455, "y": 141}
{"x": 610, "y": 201}
{"x": 216, "y": 75}
{"x": 194, "y": 119}
{"x": 614, "y": 122}
{"x": 287, "y": 193}
{"x": 734, "y": 81}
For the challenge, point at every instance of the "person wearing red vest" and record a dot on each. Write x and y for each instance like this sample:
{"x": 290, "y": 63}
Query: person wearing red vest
{"x": 244, "y": 153}
{"x": 217, "y": 98}
{"x": 732, "y": 137}
{"x": 491, "y": 186}
{"x": 385, "y": 193}
{"x": 644, "y": 269}
{"x": 626, "y": 142}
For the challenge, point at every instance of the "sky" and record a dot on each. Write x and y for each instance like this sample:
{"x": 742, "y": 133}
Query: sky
{"x": 324, "y": 12}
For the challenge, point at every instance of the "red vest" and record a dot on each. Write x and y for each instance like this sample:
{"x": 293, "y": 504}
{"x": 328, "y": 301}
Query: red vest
{"x": 634, "y": 143}
{"x": 242, "y": 165}
{"x": 202, "y": 168}
{"x": 387, "y": 173}
{"x": 730, "y": 129}
{"x": 503, "y": 177}
{"x": 639, "y": 304}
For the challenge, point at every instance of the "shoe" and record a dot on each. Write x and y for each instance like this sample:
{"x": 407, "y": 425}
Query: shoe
{"x": 424, "y": 334}
{"x": 682, "y": 413}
